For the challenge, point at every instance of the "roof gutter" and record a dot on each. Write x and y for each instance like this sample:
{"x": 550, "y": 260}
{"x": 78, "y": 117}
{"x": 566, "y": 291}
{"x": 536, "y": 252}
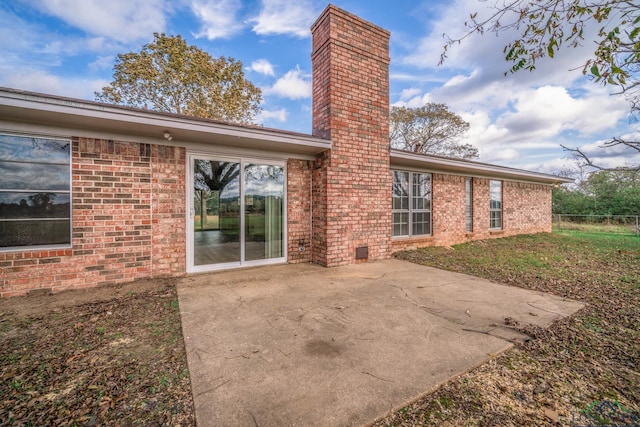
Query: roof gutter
{"x": 401, "y": 158}
{"x": 29, "y": 107}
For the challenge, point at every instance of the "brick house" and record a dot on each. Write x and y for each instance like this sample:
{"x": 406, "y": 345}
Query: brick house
{"x": 93, "y": 193}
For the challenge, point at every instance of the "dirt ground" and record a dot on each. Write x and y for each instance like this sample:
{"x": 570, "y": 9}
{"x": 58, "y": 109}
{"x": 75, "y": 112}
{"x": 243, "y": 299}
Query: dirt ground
{"x": 112, "y": 355}
{"x": 583, "y": 370}
{"x": 115, "y": 355}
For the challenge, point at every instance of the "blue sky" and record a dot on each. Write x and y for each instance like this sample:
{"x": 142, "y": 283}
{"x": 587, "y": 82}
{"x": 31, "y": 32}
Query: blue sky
{"x": 68, "y": 48}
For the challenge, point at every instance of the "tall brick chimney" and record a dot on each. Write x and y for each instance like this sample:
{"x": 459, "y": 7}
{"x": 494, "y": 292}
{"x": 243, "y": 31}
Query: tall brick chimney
{"x": 351, "y": 182}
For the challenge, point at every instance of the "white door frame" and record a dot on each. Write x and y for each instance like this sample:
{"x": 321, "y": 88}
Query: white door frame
{"x": 191, "y": 268}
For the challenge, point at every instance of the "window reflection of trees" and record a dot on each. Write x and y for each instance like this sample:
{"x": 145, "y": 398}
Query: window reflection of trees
{"x": 35, "y": 191}
{"x": 216, "y": 191}
{"x": 215, "y": 175}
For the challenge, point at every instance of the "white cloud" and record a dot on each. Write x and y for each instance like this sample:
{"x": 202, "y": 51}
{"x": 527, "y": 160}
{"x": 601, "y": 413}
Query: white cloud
{"x": 516, "y": 118}
{"x": 539, "y": 119}
{"x": 277, "y": 115}
{"x": 617, "y": 155}
{"x": 409, "y": 93}
{"x": 411, "y": 77}
{"x": 40, "y": 45}
{"x": 102, "y": 62}
{"x": 459, "y": 79}
{"x": 218, "y": 17}
{"x": 414, "y": 101}
{"x": 121, "y": 20}
{"x": 549, "y": 110}
{"x": 554, "y": 166}
{"x": 262, "y": 66}
{"x": 478, "y": 63}
{"x": 512, "y": 127}
{"x": 292, "y": 85}
{"x": 41, "y": 81}
{"x": 285, "y": 17}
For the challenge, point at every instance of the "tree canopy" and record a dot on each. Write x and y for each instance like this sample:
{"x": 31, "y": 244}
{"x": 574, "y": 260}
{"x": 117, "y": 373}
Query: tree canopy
{"x": 615, "y": 192}
{"x": 545, "y": 26}
{"x": 171, "y": 76}
{"x": 432, "y": 128}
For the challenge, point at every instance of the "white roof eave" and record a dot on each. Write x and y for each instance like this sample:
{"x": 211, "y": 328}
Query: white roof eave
{"x": 86, "y": 115}
{"x": 401, "y": 158}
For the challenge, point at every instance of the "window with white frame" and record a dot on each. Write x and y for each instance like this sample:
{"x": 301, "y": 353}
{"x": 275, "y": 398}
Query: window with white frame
{"x": 468, "y": 186}
{"x": 495, "y": 204}
{"x": 411, "y": 203}
{"x": 35, "y": 192}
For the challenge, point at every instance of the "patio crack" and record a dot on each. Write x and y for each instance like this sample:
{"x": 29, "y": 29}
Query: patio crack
{"x": 430, "y": 310}
{"x": 213, "y": 389}
{"x": 377, "y": 377}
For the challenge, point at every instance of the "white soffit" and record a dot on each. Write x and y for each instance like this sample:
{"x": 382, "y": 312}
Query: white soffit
{"x": 449, "y": 165}
{"x": 40, "y": 109}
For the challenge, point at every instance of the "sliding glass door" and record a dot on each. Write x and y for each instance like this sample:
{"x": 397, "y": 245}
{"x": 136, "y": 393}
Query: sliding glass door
{"x": 263, "y": 211}
{"x": 216, "y": 208}
{"x": 237, "y": 213}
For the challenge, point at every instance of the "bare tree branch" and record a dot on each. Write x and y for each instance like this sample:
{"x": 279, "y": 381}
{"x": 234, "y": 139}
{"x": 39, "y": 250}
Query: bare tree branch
{"x": 585, "y": 161}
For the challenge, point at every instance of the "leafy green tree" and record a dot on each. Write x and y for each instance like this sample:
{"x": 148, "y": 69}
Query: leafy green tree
{"x": 615, "y": 192}
{"x": 571, "y": 201}
{"x": 171, "y": 76}
{"x": 432, "y": 128}
{"x": 42, "y": 201}
{"x": 215, "y": 175}
{"x": 546, "y": 26}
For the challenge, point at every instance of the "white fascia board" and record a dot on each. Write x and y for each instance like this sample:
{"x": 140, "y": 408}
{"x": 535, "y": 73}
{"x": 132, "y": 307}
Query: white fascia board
{"x": 424, "y": 162}
{"x": 91, "y": 116}
{"x": 47, "y": 131}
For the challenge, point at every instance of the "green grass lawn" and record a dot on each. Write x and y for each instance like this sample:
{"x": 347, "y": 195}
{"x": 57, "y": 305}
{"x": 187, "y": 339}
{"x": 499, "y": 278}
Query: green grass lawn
{"x": 595, "y": 227}
{"x": 211, "y": 222}
{"x": 590, "y": 357}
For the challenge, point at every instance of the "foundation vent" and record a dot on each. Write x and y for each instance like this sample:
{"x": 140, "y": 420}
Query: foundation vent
{"x": 362, "y": 252}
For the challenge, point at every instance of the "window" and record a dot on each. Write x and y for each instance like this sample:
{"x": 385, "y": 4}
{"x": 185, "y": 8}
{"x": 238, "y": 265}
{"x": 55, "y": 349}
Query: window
{"x": 35, "y": 192}
{"x": 495, "y": 204}
{"x": 468, "y": 187}
{"x": 411, "y": 203}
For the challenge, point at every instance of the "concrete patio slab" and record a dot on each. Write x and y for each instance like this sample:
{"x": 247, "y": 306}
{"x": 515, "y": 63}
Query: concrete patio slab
{"x": 295, "y": 345}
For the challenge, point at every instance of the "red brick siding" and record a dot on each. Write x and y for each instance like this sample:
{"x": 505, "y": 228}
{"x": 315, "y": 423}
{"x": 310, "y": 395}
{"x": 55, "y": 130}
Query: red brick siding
{"x": 526, "y": 210}
{"x": 169, "y": 209}
{"x": 299, "y": 210}
{"x": 319, "y": 208}
{"x": 350, "y": 60}
{"x": 127, "y": 218}
{"x": 448, "y": 208}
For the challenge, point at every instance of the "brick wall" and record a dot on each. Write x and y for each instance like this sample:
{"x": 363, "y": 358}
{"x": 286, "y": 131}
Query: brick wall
{"x": 168, "y": 175}
{"x": 128, "y": 221}
{"x": 320, "y": 205}
{"x": 526, "y": 209}
{"x": 352, "y": 184}
{"x": 299, "y": 210}
{"x": 448, "y": 209}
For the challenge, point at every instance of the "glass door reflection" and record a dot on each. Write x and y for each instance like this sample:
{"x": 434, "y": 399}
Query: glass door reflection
{"x": 263, "y": 211}
{"x": 216, "y": 202}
